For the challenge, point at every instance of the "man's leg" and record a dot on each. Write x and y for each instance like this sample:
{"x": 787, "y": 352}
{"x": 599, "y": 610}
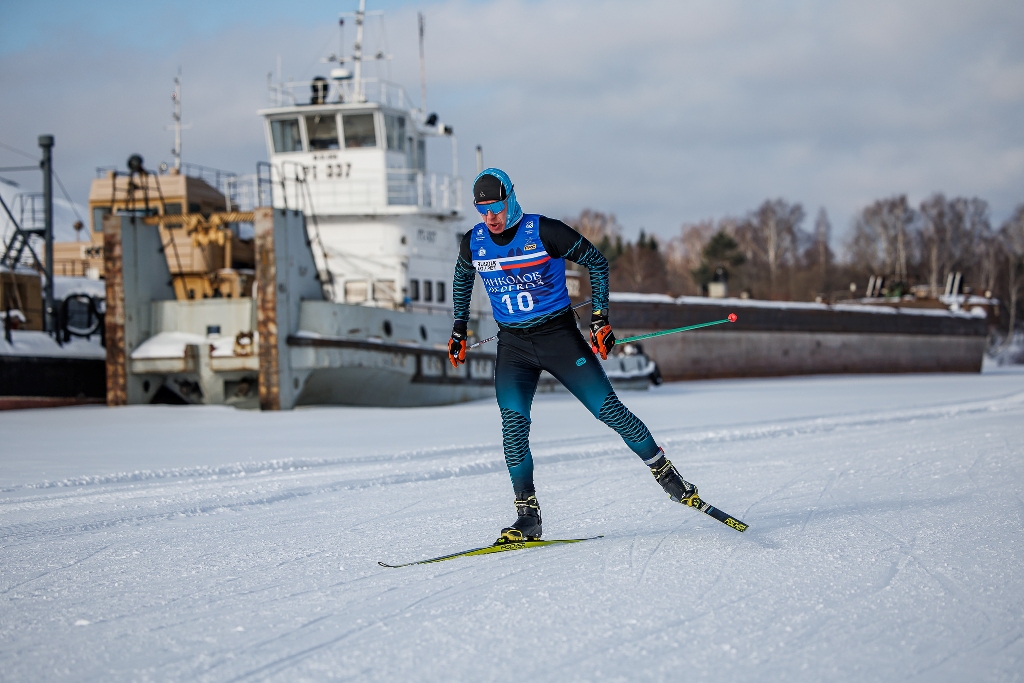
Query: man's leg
{"x": 565, "y": 354}
{"x": 516, "y": 373}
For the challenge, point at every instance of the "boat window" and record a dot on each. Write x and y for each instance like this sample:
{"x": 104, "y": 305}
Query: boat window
{"x": 384, "y": 290}
{"x": 359, "y": 130}
{"x": 428, "y": 290}
{"x": 322, "y": 131}
{"x": 395, "y": 127}
{"x": 414, "y": 290}
{"x": 98, "y": 212}
{"x": 286, "y": 135}
{"x": 440, "y": 292}
{"x": 355, "y": 291}
{"x": 172, "y": 208}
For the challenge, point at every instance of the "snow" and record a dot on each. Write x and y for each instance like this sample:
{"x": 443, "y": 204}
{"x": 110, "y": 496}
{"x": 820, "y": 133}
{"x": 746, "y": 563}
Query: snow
{"x": 64, "y": 286}
{"x": 172, "y": 345}
{"x": 209, "y": 544}
{"x": 733, "y": 302}
{"x": 42, "y": 345}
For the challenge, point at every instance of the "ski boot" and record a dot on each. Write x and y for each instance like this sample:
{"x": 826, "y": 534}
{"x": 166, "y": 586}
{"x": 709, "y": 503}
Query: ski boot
{"x": 677, "y": 488}
{"x": 527, "y": 527}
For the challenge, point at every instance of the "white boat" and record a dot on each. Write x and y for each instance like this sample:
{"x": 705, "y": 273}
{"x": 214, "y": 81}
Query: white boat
{"x": 350, "y": 152}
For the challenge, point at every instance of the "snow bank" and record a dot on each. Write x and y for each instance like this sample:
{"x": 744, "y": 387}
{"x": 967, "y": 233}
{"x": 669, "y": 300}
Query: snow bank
{"x": 172, "y": 345}
{"x": 64, "y": 287}
{"x": 42, "y": 345}
{"x": 733, "y": 302}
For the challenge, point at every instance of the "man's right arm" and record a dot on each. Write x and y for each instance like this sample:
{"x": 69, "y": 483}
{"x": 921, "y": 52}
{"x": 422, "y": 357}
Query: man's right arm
{"x": 462, "y": 294}
{"x": 465, "y": 277}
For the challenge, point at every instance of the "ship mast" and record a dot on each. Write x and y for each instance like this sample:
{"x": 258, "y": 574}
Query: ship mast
{"x": 177, "y": 127}
{"x": 423, "y": 69}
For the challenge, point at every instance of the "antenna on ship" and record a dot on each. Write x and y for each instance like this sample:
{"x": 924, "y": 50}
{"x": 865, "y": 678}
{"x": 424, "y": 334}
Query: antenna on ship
{"x": 177, "y": 126}
{"x": 423, "y": 68}
{"x": 357, "y": 54}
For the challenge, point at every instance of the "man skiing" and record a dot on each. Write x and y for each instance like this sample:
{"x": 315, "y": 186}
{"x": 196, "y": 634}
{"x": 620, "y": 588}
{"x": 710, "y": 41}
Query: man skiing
{"x": 520, "y": 258}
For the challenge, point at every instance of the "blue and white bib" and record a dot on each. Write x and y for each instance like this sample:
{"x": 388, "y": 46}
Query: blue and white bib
{"x": 522, "y": 280}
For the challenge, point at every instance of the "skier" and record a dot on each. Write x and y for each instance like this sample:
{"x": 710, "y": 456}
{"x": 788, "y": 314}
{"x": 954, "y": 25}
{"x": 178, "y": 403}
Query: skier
{"x": 520, "y": 258}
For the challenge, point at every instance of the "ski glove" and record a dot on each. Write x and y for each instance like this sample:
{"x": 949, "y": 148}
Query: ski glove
{"x": 457, "y": 344}
{"x": 601, "y": 338}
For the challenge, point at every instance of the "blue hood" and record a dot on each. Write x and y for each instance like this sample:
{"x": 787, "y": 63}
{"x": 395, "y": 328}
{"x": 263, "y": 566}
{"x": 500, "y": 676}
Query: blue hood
{"x": 515, "y": 212}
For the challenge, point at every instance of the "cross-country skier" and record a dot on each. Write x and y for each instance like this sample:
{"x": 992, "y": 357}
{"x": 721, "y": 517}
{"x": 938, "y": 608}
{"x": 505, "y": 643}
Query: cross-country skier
{"x": 520, "y": 258}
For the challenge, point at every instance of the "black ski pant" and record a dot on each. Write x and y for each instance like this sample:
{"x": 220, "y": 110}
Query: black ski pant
{"x": 559, "y": 348}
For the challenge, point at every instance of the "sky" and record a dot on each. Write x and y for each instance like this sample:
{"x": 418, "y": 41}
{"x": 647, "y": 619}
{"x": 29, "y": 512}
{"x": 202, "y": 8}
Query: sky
{"x": 661, "y": 112}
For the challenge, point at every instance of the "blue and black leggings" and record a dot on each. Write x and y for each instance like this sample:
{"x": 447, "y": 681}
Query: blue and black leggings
{"x": 559, "y": 348}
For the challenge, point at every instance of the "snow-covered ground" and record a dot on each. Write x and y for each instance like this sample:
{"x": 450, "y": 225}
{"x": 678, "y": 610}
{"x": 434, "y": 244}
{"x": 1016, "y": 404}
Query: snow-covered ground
{"x": 208, "y": 544}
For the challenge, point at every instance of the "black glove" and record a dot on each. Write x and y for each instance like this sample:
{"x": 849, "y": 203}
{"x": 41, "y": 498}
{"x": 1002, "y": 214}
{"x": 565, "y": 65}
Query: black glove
{"x": 457, "y": 344}
{"x": 601, "y": 338}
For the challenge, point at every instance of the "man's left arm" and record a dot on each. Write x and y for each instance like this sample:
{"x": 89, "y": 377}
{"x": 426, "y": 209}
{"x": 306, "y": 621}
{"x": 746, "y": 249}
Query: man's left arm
{"x": 561, "y": 241}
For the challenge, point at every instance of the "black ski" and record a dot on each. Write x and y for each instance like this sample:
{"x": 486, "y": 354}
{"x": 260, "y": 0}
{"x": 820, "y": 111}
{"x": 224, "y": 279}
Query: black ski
{"x": 497, "y": 547}
{"x": 712, "y": 511}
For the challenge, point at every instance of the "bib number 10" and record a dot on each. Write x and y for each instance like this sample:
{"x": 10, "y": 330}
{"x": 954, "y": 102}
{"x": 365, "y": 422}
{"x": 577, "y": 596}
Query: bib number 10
{"x": 524, "y": 301}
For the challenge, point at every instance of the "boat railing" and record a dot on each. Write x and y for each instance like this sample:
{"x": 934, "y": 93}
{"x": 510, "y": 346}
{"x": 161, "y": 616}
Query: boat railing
{"x": 424, "y": 189}
{"x": 375, "y": 90}
{"x": 243, "y": 191}
{"x": 295, "y": 186}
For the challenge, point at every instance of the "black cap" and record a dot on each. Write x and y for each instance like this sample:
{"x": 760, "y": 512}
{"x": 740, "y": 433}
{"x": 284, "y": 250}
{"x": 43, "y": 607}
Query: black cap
{"x": 488, "y": 188}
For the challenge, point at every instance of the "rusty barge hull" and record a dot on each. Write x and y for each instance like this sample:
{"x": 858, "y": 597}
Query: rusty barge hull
{"x": 804, "y": 339}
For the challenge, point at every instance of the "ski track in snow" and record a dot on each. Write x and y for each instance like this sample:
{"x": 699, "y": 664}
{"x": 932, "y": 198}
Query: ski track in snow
{"x": 885, "y": 544}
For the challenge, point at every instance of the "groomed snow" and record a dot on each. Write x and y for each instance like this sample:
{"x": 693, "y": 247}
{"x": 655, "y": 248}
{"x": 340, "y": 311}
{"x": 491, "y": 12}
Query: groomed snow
{"x": 203, "y": 543}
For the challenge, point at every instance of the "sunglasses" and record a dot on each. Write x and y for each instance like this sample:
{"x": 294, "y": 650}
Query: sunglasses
{"x": 494, "y": 207}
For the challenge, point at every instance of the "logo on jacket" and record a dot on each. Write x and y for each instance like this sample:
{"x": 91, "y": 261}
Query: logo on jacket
{"x": 530, "y": 247}
{"x": 480, "y": 232}
{"x": 529, "y": 224}
{"x": 581, "y": 361}
{"x": 482, "y": 252}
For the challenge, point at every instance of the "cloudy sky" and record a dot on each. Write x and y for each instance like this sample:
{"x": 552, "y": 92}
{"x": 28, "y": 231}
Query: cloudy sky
{"x": 659, "y": 111}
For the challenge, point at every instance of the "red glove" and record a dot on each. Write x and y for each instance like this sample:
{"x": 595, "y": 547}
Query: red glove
{"x": 457, "y": 344}
{"x": 601, "y": 338}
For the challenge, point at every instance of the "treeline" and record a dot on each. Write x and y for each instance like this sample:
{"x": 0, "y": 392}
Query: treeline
{"x": 777, "y": 252}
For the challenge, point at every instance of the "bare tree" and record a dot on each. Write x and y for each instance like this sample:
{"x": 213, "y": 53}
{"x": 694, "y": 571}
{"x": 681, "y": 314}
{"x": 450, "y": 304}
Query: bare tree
{"x": 989, "y": 262}
{"x": 602, "y": 229}
{"x": 956, "y": 235}
{"x": 682, "y": 254}
{"x": 770, "y": 237}
{"x": 822, "y": 236}
{"x": 1011, "y": 237}
{"x": 934, "y": 233}
{"x": 880, "y": 242}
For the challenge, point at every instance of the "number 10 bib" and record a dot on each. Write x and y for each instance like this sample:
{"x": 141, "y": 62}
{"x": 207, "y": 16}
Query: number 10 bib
{"x": 521, "y": 279}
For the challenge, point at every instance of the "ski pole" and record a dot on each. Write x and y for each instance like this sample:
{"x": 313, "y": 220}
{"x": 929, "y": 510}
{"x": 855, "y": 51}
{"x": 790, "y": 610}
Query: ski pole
{"x": 730, "y": 319}
{"x": 484, "y": 341}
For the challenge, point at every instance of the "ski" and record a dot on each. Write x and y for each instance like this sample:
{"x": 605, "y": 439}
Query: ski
{"x": 495, "y": 548}
{"x": 712, "y": 511}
